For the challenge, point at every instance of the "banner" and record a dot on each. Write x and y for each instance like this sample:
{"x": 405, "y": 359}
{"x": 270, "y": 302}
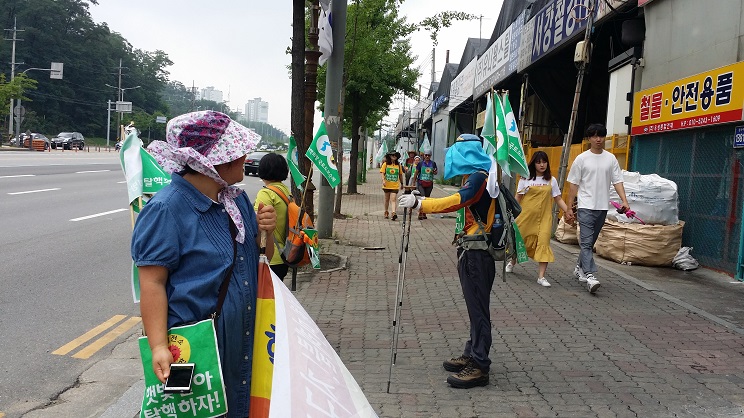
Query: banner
{"x": 293, "y": 161}
{"x": 517, "y": 160}
{"x": 381, "y": 152}
{"x": 313, "y": 250}
{"x": 196, "y": 344}
{"x": 707, "y": 98}
{"x": 143, "y": 174}
{"x": 460, "y": 221}
{"x": 521, "y": 248}
{"x": 320, "y": 153}
{"x": 311, "y": 378}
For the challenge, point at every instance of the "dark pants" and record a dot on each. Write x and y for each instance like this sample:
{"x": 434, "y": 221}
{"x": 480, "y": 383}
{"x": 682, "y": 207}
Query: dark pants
{"x": 280, "y": 270}
{"x": 590, "y": 224}
{"x": 477, "y": 270}
{"x": 425, "y": 190}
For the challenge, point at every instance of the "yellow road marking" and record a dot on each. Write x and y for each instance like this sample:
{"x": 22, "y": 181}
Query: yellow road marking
{"x": 77, "y": 342}
{"x": 107, "y": 338}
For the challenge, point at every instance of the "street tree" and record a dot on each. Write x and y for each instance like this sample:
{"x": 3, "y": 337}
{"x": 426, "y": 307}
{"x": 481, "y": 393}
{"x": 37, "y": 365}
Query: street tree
{"x": 14, "y": 89}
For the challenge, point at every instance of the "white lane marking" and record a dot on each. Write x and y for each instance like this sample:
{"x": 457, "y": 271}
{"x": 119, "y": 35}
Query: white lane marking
{"x": 35, "y": 191}
{"x": 97, "y": 215}
{"x": 19, "y": 175}
{"x": 118, "y": 182}
{"x": 91, "y": 171}
{"x": 239, "y": 184}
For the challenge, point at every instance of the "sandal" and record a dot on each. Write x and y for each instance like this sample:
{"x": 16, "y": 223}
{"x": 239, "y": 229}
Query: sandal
{"x": 387, "y": 215}
{"x": 394, "y": 217}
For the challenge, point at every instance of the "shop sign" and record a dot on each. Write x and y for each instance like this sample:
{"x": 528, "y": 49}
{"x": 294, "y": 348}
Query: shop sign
{"x": 438, "y": 103}
{"x": 462, "y": 86}
{"x": 739, "y": 137}
{"x": 708, "y": 98}
{"x": 500, "y": 60}
{"x": 562, "y": 20}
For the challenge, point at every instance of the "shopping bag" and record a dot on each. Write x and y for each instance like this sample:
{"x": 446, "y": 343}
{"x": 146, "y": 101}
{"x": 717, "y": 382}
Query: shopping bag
{"x": 521, "y": 249}
{"x": 195, "y": 343}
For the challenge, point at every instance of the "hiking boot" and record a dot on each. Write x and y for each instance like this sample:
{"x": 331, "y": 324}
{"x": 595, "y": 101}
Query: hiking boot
{"x": 394, "y": 217}
{"x": 456, "y": 364}
{"x": 469, "y": 377}
{"x": 387, "y": 215}
{"x": 592, "y": 284}
{"x": 543, "y": 282}
{"x": 579, "y": 274}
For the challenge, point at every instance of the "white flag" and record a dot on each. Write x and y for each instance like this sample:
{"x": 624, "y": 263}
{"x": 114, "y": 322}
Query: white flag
{"x": 325, "y": 31}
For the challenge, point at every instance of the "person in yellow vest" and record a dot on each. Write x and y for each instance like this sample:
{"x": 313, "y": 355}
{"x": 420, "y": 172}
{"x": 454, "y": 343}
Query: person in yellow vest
{"x": 392, "y": 181}
{"x": 273, "y": 170}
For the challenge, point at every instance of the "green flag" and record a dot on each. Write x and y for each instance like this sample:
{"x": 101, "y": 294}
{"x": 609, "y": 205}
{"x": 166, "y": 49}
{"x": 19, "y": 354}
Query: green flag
{"x": 517, "y": 160}
{"x": 489, "y": 128}
{"x": 519, "y": 245}
{"x": 425, "y": 147}
{"x": 502, "y": 150}
{"x": 381, "y": 152}
{"x": 293, "y": 160}
{"x": 460, "y": 221}
{"x": 313, "y": 247}
{"x": 144, "y": 175}
{"x": 321, "y": 154}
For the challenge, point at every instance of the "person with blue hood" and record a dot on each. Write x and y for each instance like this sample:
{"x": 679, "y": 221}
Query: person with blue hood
{"x": 475, "y": 267}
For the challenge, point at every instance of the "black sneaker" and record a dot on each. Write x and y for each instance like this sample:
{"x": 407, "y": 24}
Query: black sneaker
{"x": 456, "y": 364}
{"x": 469, "y": 377}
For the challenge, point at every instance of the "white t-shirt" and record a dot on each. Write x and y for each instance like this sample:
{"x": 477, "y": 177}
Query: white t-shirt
{"x": 525, "y": 184}
{"x": 594, "y": 174}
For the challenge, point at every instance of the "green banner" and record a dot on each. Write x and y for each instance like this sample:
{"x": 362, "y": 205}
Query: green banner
{"x": 320, "y": 152}
{"x": 460, "y": 222}
{"x": 196, "y": 344}
{"x": 313, "y": 249}
{"x": 293, "y": 161}
{"x": 519, "y": 245}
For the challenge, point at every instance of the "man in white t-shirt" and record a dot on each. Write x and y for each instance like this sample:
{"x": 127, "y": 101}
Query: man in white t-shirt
{"x": 591, "y": 175}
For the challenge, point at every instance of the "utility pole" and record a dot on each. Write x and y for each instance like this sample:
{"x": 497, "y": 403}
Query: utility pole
{"x": 333, "y": 112}
{"x": 433, "y": 64}
{"x": 12, "y": 71}
{"x": 312, "y": 54}
{"x": 582, "y": 66}
{"x": 120, "y": 98}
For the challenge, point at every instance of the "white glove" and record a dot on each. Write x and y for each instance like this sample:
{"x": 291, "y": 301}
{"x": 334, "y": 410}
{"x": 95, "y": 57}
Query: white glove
{"x": 410, "y": 200}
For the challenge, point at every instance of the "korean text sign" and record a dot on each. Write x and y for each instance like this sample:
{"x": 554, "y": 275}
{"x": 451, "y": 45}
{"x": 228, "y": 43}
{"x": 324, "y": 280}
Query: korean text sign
{"x": 707, "y": 98}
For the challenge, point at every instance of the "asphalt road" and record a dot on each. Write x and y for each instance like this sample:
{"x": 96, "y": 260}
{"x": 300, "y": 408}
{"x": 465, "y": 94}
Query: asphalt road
{"x": 64, "y": 250}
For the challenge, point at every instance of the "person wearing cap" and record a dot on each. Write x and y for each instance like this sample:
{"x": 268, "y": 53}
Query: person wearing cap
{"x": 475, "y": 267}
{"x": 184, "y": 241}
{"x": 410, "y": 164}
{"x": 425, "y": 172}
{"x": 392, "y": 181}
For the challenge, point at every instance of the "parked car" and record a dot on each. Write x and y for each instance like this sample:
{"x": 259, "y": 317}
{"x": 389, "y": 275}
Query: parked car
{"x": 37, "y": 137}
{"x": 14, "y": 142}
{"x": 251, "y": 162}
{"x": 69, "y": 140}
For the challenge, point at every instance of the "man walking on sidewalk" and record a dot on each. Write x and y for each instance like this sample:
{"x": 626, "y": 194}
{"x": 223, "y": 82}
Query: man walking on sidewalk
{"x": 591, "y": 175}
{"x": 475, "y": 267}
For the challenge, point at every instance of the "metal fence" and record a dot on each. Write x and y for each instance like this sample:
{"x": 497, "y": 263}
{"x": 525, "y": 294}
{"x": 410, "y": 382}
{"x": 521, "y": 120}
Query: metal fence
{"x": 710, "y": 183}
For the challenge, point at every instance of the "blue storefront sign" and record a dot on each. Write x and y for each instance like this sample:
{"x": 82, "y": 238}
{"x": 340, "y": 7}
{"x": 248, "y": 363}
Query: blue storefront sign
{"x": 739, "y": 137}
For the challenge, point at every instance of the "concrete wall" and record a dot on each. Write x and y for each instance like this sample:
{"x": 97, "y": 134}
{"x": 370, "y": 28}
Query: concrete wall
{"x": 687, "y": 37}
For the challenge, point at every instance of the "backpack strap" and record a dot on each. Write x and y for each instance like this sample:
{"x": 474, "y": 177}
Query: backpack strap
{"x": 282, "y": 196}
{"x": 279, "y": 193}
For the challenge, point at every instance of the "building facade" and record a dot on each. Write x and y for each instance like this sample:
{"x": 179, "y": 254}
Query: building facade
{"x": 210, "y": 93}
{"x": 257, "y": 110}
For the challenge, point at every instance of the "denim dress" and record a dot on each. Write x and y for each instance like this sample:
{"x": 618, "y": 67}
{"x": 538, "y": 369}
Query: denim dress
{"x": 184, "y": 231}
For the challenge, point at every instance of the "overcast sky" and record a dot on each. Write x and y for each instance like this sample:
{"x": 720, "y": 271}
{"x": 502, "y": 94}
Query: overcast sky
{"x": 239, "y": 47}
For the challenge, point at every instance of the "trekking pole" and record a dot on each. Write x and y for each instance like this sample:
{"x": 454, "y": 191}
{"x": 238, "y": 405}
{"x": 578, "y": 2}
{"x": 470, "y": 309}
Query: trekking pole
{"x": 402, "y": 258}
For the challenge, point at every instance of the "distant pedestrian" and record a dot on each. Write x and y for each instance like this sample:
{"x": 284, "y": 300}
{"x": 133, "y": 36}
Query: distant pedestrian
{"x": 591, "y": 175}
{"x": 392, "y": 181}
{"x": 409, "y": 165}
{"x": 536, "y": 194}
{"x": 425, "y": 172}
{"x": 475, "y": 265}
{"x": 273, "y": 170}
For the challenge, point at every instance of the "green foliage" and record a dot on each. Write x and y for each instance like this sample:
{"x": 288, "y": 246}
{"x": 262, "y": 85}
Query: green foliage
{"x": 63, "y": 31}
{"x": 441, "y": 20}
{"x": 14, "y": 89}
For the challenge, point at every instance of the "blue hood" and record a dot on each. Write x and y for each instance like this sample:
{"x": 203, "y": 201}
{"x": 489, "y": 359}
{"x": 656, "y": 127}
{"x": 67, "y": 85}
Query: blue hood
{"x": 466, "y": 156}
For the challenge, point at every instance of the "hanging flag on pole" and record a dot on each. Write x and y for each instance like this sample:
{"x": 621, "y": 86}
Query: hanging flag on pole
{"x": 381, "y": 152}
{"x": 321, "y": 154}
{"x": 325, "y": 32}
{"x": 502, "y": 147}
{"x": 490, "y": 142}
{"x": 293, "y": 160}
{"x": 517, "y": 160}
{"x": 425, "y": 147}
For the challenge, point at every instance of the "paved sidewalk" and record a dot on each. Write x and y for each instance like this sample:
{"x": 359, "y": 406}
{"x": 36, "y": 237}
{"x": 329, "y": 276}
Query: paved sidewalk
{"x": 630, "y": 350}
{"x": 650, "y": 343}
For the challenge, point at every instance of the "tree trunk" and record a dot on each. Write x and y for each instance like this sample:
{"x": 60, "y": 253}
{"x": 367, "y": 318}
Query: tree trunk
{"x": 356, "y": 122}
{"x": 298, "y": 88}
